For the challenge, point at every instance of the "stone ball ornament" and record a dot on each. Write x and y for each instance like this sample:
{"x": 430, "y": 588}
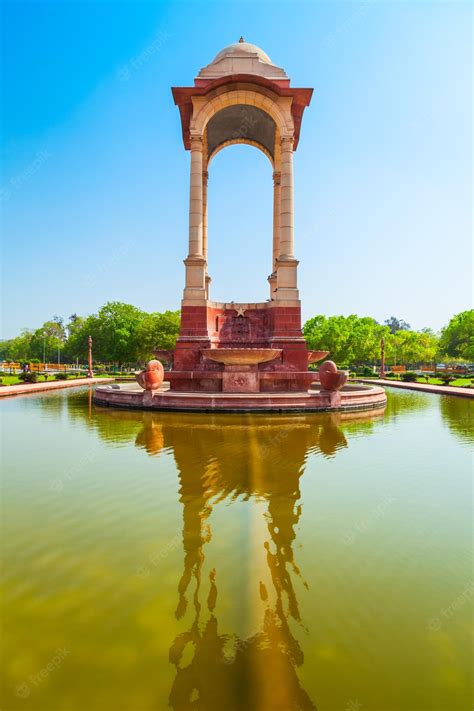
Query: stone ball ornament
{"x": 152, "y": 377}
{"x": 330, "y": 377}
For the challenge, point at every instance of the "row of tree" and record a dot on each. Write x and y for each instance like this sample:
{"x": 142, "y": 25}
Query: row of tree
{"x": 356, "y": 340}
{"x": 124, "y": 334}
{"x": 121, "y": 334}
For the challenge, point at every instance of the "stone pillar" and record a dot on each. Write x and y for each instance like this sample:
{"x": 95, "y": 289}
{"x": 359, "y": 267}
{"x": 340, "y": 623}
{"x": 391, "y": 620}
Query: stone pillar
{"x": 286, "y": 200}
{"x": 195, "y": 199}
{"x": 272, "y": 279}
{"x": 205, "y": 176}
{"x": 286, "y": 265}
{"x": 276, "y": 217}
{"x": 195, "y": 289}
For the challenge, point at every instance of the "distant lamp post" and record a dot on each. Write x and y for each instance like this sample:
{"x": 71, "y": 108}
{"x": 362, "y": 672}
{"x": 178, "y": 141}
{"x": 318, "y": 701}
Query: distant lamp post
{"x": 90, "y": 374}
{"x": 382, "y": 357}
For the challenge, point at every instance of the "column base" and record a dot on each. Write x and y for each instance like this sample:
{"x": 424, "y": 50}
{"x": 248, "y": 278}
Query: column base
{"x": 195, "y": 287}
{"x": 286, "y": 275}
{"x": 286, "y": 295}
{"x": 194, "y": 296}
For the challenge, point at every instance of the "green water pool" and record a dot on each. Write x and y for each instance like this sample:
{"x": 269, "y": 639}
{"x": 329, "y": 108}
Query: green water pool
{"x": 191, "y": 561}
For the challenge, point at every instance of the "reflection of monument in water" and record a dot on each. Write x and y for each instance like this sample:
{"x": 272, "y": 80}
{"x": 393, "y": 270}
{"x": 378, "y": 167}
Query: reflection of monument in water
{"x": 258, "y": 672}
{"x": 219, "y": 459}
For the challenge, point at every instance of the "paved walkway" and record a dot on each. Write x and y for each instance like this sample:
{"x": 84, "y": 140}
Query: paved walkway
{"x": 421, "y": 387}
{"x": 26, "y": 388}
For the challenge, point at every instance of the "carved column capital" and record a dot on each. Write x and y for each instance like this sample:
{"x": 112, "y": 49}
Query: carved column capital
{"x": 286, "y": 143}
{"x": 196, "y": 143}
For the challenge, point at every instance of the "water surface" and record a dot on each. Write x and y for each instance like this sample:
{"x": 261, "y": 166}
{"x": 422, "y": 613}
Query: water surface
{"x": 224, "y": 562}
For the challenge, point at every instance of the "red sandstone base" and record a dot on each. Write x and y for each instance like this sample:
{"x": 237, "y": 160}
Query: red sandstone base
{"x": 255, "y": 326}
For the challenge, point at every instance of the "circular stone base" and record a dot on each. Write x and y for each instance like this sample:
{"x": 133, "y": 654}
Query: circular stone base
{"x": 351, "y": 397}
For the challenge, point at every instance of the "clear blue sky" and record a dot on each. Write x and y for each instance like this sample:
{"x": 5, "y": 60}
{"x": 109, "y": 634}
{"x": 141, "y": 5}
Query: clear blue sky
{"x": 95, "y": 177}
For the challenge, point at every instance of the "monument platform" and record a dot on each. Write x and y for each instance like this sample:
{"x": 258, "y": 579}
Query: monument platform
{"x": 351, "y": 397}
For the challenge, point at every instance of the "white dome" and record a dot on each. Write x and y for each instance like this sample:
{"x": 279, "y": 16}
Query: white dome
{"x": 242, "y": 48}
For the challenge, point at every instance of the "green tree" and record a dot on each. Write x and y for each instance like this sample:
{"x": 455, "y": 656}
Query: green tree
{"x": 397, "y": 324}
{"x": 77, "y": 342}
{"x": 118, "y": 332}
{"x": 349, "y": 339}
{"x": 48, "y": 340}
{"x": 17, "y": 349}
{"x": 73, "y": 327}
{"x": 157, "y": 330}
{"x": 114, "y": 330}
{"x": 457, "y": 338}
{"x": 411, "y": 347}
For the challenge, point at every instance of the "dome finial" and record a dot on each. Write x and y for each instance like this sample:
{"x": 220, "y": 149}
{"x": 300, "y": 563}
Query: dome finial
{"x": 241, "y": 39}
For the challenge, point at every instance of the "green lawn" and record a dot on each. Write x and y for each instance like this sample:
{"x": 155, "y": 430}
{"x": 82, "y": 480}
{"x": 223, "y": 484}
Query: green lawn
{"x": 458, "y": 383}
{"x": 14, "y": 379}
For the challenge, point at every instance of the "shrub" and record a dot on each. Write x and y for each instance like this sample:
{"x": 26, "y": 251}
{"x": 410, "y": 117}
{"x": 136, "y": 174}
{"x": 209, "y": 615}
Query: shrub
{"x": 445, "y": 378}
{"x": 28, "y": 377}
{"x": 365, "y": 371}
{"x": 390, "y": 375}
{"x": 409, "y": 377}
{"x": 60, "y": 376}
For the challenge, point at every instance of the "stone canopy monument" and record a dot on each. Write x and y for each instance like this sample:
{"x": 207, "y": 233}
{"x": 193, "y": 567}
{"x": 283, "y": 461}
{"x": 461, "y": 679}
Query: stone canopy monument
{"x": 241, "y": 356}
{"x": 241, "y": 97}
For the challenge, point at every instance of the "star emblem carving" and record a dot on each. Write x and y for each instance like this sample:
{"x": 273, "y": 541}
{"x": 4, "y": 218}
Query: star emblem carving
{"x": 240, "y": 311}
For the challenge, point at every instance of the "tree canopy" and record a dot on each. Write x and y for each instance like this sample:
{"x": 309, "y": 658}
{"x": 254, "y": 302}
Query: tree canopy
{"x": 457, "y": 338}
{"x": 350, "y": 339}
{"x": 157, "y": 330}
{"x": 121, "y": 333}
{"x": 411, "y": 347}
{"x": 397, "y": 324}
{"x": 355, "y": 340}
